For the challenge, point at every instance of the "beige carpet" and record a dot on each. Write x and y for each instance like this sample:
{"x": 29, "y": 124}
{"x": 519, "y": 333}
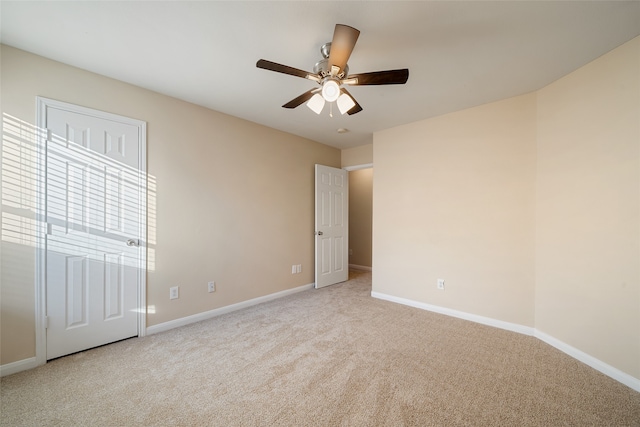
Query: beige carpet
{"x": 329, "y": 357}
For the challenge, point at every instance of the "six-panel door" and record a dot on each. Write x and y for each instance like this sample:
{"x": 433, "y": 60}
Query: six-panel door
{"x": 332, "y": 222}
{"x": 93, "y": 200}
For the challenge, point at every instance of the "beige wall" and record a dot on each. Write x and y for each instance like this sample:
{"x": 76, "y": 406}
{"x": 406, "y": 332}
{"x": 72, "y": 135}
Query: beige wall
{"x": 360, "y": 216}
{"x": 529, "y": 208}
{"x": 453, "y": 199}
{"x": 230, "y": 200}
{"x": 588, "y": 209}
{"x": 356, "y": 156}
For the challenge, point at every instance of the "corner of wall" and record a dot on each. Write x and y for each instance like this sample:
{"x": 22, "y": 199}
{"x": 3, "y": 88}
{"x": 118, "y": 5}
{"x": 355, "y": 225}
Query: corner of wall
{"x": 361, "y": 155}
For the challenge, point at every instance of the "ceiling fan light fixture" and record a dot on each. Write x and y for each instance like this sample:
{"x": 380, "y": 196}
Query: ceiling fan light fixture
{"x": 330, "y": 90}
{"x": 316, "y": 103}
{"x": 345, "y": 103}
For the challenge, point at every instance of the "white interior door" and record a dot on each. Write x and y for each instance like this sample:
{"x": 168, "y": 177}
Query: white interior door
{"x": 94, "y": 211}
{"x": 332, "y": 225}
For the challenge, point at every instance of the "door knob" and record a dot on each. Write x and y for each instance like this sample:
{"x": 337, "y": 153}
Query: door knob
{"x": 132, "y": 242}
{"x": 320, "y": 233}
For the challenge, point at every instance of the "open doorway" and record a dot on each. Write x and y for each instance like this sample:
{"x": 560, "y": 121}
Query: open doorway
{"x": 361, "y": 219}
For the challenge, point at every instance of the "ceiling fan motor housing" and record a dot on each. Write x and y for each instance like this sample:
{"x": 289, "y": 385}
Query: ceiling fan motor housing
{"x": 322, "y": 67}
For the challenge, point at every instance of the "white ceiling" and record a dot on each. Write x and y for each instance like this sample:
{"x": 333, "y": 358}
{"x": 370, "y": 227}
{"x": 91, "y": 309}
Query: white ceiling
{"x": 459, "y": 53}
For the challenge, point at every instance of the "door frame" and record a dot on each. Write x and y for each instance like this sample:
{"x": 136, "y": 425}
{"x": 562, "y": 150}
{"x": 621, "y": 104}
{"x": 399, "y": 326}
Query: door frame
{"x": 356, "y": 168}
{"x": 41, "y": 227}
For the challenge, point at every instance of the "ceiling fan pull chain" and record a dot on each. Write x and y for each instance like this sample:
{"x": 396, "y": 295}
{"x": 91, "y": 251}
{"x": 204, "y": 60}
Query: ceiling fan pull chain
{"x": 331, "y": 109}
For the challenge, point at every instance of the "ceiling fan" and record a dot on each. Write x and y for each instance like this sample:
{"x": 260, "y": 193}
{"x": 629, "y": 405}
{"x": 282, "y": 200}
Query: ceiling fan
{"x": 332, "y": 73}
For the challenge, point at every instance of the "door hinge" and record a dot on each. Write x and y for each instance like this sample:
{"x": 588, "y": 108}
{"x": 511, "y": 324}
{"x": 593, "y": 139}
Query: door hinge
{"x": 46, "y": 322}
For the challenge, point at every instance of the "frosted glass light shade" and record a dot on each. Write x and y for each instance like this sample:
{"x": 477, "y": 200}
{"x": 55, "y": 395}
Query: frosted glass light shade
{"x": 316, "y": 103}
{"x": 330, "y": 90}
{"x": 345, "y": 103}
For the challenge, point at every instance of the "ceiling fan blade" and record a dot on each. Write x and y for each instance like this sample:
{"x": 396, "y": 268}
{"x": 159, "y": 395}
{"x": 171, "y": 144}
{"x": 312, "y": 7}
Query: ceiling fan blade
{"x": 344, "y": 40}
{"x": 356, "y": 108}
{"x": 285, "y": 69}
{"x": 389, "y": 77}
{"x": 300, "y": 99}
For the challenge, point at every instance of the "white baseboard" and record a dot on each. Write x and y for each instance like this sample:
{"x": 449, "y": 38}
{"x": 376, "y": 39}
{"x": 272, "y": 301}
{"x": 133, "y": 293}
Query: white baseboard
{"x": 30, "y": 363}
{"x": 19, "y": 366}
{"x": 455, "y": 313}
{"x": 360, "y": 267}
{"x": 223, "y": 310}
{"x": 598, "y": 365}
{"x": 610, "y": 371}
{"x": 589, "y": 360}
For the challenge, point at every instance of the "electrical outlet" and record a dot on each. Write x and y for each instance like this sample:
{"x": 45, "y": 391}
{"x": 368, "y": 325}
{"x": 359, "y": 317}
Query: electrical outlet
{"x": 299, "y": 268}
{"x": 441, "y": 284}
{"x": 212, "y": 286}
{"x": 174, "y": 293}
{"x": 293, "y": 269}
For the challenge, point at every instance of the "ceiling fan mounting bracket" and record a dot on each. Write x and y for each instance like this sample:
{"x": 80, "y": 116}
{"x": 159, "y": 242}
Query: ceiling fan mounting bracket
{"x": 325, "y": 50}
